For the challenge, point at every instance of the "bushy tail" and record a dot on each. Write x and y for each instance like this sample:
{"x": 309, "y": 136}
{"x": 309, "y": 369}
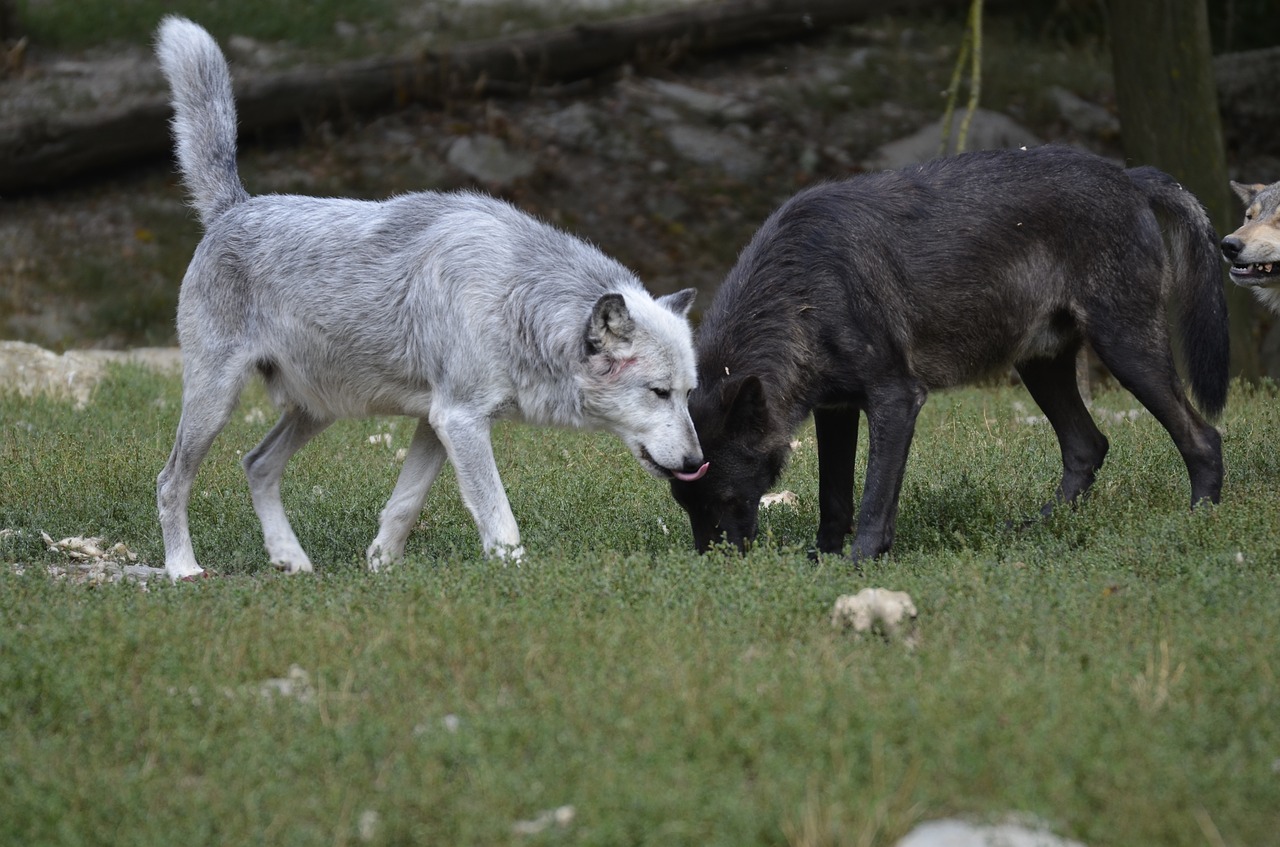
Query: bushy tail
{"x": 204, "y": 115}
{"x": 1201, "y": 302}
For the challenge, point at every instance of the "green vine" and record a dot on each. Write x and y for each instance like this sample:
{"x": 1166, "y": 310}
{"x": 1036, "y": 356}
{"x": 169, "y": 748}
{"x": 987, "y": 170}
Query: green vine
{"x": 970, "y": 49}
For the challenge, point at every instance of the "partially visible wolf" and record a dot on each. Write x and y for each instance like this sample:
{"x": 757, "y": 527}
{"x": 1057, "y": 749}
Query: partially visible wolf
{"x": 1254, "y": 249}
{"x": 867, "y": 294}
{"x": 455, "y": 309}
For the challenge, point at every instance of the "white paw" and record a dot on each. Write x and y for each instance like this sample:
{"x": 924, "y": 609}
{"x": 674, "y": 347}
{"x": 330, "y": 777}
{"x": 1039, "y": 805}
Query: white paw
{"x": 292, "y": 565}
{"x": 179, "y": 571}
{"x": 379, "y": 557}
{"x": 507, "y": 554}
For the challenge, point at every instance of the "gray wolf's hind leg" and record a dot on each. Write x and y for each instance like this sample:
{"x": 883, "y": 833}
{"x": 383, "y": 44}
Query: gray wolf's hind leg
{"x": 1052, "y": 384}
{"x": 206, "y": 408}
{"x": 264, "y": 465}
{"x": 421, "y": 467}
{"x": 1144, "y": 366}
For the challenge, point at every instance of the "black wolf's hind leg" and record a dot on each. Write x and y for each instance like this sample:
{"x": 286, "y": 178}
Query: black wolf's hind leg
{"x": 1144, "y": 366}
{"x": 1052, "y": 384}
{"x": 891, "y": 421}
{"x": 837, "y": 433}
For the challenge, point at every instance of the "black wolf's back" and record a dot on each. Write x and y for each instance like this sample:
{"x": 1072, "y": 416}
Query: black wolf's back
{"x": 947, "y": 262}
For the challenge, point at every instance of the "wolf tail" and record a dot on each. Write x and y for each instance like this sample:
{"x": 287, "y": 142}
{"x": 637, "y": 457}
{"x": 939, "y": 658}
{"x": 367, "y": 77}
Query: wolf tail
{"x": 204, "y": 115}
{"x": 1201, "y": 303}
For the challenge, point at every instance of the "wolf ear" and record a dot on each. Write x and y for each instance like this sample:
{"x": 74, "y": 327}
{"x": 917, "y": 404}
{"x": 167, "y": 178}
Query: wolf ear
{"x": 745, "y": 407}
{"x": 680, "y": 302}
{"x": 610, "y": 324}
{"x": 1246, "y": 192}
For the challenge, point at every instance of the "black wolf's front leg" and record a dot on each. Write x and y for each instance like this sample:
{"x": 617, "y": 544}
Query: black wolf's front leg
{"x": 891, "y": 421}
{"x": 837, "y": 434}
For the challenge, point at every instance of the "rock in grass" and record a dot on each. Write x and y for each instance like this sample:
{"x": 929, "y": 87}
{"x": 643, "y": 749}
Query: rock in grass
{"x": 959, "y": 833}
{"x": 779, "y": 498}
{"x": 31, "y": 370}
{"x": 890, "y": 613}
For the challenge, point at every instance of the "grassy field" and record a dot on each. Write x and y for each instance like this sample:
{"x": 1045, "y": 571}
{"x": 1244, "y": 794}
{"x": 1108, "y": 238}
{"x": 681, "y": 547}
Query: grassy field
{"x": 1112, "y": 671}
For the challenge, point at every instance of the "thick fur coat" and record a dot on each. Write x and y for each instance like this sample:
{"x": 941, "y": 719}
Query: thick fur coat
{"x": 863, "y": 296}
{"x": 455, "y": 309}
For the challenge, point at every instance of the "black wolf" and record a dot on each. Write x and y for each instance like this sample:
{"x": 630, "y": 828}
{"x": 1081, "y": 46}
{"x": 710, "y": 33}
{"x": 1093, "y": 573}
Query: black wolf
{"x": 864, "y": 295}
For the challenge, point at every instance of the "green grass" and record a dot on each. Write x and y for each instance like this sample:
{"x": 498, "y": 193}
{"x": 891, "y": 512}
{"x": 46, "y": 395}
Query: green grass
{"x": 1112, "y": 670}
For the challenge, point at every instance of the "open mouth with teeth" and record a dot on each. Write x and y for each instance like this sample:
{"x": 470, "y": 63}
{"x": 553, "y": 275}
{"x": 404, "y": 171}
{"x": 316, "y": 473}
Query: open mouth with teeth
{"x": 663, "y": 472}
{"x": 1257, "y": 273}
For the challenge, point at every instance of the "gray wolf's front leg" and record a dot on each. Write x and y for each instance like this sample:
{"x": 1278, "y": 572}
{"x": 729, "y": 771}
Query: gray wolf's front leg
{"x": 466, "y": 437}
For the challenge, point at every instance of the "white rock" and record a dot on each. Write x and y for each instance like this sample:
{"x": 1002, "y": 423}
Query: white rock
{"x": 958, "y": 833}
{"x": 576, "y": 126}
{"x": 700, "y": 102}
{"x": 488, "y": 159}
{"x": 95, "y": 563}
{"x": 779, "y": 498}
{"x": 877, "y": 609}
{"x": 297, "y": 686}
{"x": 1083, "y": 116}
{"x": 31, "y": 370}
{"x": 716, "y": 149}
{"x": 559, "y": 818}
{"x": 987, "y": 131}
{"x": 367, "y": 825}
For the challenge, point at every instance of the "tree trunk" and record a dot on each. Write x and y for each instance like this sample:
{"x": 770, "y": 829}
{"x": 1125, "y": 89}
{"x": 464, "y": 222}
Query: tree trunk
{"x": 8, "y": 21}
{"x": 1169, "y": 118}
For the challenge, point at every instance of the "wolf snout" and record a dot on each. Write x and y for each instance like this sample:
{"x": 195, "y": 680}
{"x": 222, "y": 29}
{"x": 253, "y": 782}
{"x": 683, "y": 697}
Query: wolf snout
{"x": 1247, "y": 270}
{"x": 1231, "y": 247}
{"x": 688, "y": 468}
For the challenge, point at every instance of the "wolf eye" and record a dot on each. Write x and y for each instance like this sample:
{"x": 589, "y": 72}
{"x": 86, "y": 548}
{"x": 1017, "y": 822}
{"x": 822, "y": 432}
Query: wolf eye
{"x": 662, "y": 393}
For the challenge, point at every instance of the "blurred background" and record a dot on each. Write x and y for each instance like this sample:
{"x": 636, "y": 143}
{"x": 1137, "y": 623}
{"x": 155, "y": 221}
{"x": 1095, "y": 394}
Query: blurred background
{"x": 667, "y": 153}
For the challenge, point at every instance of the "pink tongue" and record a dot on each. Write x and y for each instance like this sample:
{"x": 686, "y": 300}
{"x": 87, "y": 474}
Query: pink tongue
{"x": 690, "y": 477}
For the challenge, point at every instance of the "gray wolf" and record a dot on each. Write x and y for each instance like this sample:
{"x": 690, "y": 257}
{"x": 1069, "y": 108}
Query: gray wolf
{"x": 1254, "y": 249}
{"x": 455, "y": 309}
{"x": 862, "y": 296}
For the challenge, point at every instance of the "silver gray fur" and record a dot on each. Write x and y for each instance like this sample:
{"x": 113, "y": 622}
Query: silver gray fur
{"x": 455, "y": 309}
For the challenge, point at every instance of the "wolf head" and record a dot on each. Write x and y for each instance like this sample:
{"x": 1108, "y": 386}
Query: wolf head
{"x": 1254, "y": 249}
{"x": 640, "y": 370}
{"x": 745, "y": 450}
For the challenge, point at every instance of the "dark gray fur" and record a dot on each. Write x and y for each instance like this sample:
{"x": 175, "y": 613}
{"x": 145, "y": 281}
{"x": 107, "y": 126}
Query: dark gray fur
{"x": 864, "y": 295}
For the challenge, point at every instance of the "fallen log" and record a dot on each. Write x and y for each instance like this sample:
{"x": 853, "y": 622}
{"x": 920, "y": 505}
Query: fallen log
{"x": 46, "y": 150}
